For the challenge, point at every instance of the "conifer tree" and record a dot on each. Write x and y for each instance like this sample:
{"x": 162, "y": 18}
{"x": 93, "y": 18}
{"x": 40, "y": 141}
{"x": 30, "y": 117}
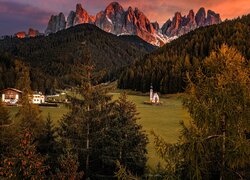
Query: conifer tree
{"x": 4, "y": 116}
{"x": 25, "y": 163}
{"x": 81, "y": 124}
{"x": 90, "y": 120}
{"x": 48, "y": 145}
{"x": 29, "y": 115}
{"x": 68, "y": 164}
{"x": 122, "y": 139}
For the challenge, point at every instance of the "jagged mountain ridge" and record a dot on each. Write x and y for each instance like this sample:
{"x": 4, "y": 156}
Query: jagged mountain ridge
{"x": 114, "y": 19}
{"x": 183, "y": 24}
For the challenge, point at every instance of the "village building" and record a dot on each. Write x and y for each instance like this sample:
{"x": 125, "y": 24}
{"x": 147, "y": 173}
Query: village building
{"x": 38, "y": 98}
{"x": 11, "y": 96}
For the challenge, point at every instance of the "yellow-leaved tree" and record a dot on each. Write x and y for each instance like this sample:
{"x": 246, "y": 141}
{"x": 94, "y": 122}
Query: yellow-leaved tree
{"x": 214, "y": 145}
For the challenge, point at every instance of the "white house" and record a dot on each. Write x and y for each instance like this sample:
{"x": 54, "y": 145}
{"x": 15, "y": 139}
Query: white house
{"x": 38, "y": 98}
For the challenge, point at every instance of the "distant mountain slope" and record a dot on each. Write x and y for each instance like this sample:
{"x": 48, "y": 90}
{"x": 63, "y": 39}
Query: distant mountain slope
{"x": 167, "y": 66}
{"x": 52, "y": 58}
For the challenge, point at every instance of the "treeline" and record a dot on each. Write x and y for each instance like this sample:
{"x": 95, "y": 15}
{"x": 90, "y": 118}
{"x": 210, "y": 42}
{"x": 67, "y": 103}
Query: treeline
{"x": 166, "y": 68}
{"x": 52, "y": 59}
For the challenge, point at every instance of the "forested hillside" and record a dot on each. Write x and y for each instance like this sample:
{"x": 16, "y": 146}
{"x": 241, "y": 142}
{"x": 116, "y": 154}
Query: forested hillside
{"x": 166, "y": 67}
{"x": 52, "y": 59}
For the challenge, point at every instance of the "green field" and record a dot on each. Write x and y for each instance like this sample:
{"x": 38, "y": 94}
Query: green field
{"x": 55, "y": 113}
{"x": 163, "y": 120}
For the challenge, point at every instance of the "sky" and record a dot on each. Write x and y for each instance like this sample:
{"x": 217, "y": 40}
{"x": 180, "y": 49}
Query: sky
{"x": 19, "y": 15}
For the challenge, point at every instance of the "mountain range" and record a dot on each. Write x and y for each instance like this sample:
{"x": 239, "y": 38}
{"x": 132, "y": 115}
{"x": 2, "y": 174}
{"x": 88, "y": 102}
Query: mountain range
{"x": 116, "y": 20}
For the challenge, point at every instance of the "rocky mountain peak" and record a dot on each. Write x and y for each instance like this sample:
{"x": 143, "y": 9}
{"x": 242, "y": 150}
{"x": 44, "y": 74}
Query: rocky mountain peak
{"x": 79, "y": 8}
{"x": 130, "y": 10}
{"x": 33, "y": 32}
{"x": 116, "y": 20}
{"x": 79, "y": 16}
{"x": 191, "y": 16}
{"x": 56, "y": 23}
{"x": 177, "y": 20}
{"x": 114, "y": 7}
{"x": 156, "y": 25}
{"x": 70, "y": 19}
{"x": 212, "y": 18}
{"x": 20, "y": 35}
{"x": 183, "y": 24}
{"x": 200, "y": 17}
{"x": 82, "y": 15}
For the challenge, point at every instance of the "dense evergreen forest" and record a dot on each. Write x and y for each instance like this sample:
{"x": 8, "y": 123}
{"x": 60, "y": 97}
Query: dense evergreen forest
{"x": 166, "y": 68}
{"x": 52, "y": 58}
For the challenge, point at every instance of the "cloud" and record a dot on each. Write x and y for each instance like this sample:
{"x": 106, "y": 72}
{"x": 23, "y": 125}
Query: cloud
{"x": 16, "y": 17}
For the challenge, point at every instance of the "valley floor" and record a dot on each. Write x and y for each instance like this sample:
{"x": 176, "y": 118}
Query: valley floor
{"x": 164, "y": 120}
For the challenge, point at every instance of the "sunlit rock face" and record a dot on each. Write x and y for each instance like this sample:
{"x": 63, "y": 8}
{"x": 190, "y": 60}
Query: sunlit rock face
{"x": 114, "y": 19}
{"x": 33, "y": 32}
{"x": 183, "y": 24}
{"x": 20, "y": 35}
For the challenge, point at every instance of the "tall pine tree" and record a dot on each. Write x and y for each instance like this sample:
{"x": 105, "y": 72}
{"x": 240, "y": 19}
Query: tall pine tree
{"x": 29, "y": 115}
{"x": 91, "y": 119}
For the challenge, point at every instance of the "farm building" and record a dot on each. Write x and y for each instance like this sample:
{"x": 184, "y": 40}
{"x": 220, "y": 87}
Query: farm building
{"x": 11, "y": 96}
{"x": 38, "y": 98}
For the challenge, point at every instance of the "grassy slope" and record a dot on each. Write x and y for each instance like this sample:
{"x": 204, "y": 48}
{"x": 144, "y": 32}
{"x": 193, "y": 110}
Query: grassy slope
{"x": 163, "y": 120}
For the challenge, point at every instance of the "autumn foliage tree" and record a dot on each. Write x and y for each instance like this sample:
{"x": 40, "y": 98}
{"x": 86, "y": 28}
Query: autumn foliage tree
{"x": 214, "y": 145}
{"x": 25, "y": 163}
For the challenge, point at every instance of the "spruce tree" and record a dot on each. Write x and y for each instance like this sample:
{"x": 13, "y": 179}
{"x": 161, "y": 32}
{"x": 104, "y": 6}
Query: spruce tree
{"x": 81, "y": 124}
{"x": 92, "y": 116}
{"x": 29, "y": 115}
{"x": 68, "y": 164}
{"x": 122, "y": 139}
{"x": 47, "y": 144}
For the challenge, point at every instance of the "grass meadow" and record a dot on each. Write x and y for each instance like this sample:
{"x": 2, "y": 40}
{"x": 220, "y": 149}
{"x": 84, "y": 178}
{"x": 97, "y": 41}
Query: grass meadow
{"x": 163, "y": 120}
